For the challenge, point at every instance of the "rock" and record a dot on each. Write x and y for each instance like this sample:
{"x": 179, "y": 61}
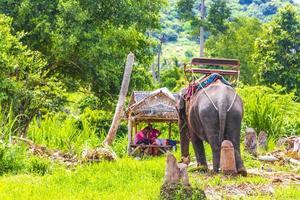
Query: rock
{"x": 263, "y": 140}
{"x": 250, "y": 141}
{"x": 290, "y": 143}
{"x": 227, "y": 160}
{"x": 268, "y": 158}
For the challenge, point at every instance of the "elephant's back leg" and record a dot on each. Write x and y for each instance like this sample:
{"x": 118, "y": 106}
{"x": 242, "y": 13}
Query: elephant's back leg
{"x": 197, "y": 137}
{"x": 210, "y": 121}
{"x": 233, "y": 133}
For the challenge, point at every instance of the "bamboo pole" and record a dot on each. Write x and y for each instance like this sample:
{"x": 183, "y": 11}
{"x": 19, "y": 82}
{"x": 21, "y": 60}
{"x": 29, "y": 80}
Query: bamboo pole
{"x": 170, "y": 130}
{"x": 119, "y": 109}
{"x": 129, "y": 136}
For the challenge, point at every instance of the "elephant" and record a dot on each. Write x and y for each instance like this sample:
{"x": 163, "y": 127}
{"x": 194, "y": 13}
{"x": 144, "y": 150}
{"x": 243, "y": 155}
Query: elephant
{"x": 212, "y": 114}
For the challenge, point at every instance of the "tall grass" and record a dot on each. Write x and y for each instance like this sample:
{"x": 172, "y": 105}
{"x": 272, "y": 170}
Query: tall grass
{"x": 65, "y": 134}
{"x": 266, "y": 110}
{"x": 7, "y": 124}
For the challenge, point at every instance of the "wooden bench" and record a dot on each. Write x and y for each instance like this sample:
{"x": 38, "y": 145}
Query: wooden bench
{"x": 144, "y": 147}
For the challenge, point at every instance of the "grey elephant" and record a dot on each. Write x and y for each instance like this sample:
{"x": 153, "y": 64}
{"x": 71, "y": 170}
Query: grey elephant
{"x": 212, "y": 114}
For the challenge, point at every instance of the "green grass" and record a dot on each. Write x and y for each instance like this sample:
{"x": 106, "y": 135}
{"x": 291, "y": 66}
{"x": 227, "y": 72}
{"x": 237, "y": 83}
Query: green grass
{"x": 126, "y": 178}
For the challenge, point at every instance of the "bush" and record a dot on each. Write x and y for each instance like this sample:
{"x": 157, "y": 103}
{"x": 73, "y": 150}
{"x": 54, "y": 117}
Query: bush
{"x": 70, "y": 134}
{"x": 268, "y": 110}
{"x": 38, "y": 165}
{"x": 12, "y": 159}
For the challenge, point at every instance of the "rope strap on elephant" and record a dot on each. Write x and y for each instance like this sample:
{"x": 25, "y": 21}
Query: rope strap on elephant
{"x": 195, "y": 87}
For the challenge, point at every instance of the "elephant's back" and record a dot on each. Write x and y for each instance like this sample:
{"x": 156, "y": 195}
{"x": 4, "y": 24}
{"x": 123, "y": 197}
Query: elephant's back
{"x": 206, "y": 103}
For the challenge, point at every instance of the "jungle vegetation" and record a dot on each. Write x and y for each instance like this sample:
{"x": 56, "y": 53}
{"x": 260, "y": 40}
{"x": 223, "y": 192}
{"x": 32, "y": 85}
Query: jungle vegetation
{"x": 61, "y": 67}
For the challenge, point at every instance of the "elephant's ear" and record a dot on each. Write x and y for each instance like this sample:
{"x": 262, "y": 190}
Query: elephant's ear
{"x": 182, "y": 109}
{"x": 182, "y": 100}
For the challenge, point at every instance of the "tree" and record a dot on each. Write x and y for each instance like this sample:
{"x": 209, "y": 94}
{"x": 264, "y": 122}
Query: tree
{"x": 24, "y": 80}
{"x": 238, "y": 43}
{"x": 217, "y": 17}
{"x": 277, "y": 51}
{"x": 85, "y": 42}
{"x": 215, "y": 22}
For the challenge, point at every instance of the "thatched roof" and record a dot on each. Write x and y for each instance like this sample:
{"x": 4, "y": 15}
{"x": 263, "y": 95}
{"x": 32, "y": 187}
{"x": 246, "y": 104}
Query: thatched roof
{"x": 158, "y": 106}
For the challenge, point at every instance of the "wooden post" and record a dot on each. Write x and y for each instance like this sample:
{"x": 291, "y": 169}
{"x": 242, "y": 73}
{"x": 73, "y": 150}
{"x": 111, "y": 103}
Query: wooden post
{"x": 135, "y": 128}
{"x": 119, "y": 109}
{"x": 227, "y": 158}
{"x": 170, "y": 130}
{"x": 129, "y": 135}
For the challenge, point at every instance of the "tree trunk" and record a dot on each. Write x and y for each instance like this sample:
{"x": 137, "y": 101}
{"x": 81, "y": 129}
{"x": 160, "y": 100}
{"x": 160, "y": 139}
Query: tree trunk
{"x": 119, "y": 109}
{"x": 153, "y": 73}
{"x": 158, "y": 60}
{"x": 202, "y": 16}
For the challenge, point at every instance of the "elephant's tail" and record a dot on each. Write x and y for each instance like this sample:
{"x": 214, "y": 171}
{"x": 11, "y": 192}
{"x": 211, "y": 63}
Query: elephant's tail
{"x": 222, "y": 122}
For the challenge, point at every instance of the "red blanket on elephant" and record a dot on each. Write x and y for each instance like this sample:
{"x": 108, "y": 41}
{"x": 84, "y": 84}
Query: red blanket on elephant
{"x": 195, "y": 87}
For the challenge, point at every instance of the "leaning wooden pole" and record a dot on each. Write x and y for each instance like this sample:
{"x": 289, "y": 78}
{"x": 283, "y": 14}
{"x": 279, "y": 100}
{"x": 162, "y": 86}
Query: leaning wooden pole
{"x": 120, "y": 106}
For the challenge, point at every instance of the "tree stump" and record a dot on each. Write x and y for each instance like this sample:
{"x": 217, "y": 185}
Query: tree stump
{"x": 250, "y": 141}
{"x": 176, "y": 182}
{"x": 227, "y": 161}
{"x": 175, "y": 173}
{"x": 263, "y": 140}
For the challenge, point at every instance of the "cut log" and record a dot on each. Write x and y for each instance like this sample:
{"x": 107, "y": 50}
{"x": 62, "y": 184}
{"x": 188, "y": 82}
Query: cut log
{"x": 183, "y": 174}
{"x": 176, "y": 182}
{"x": 172, "y": 170}
{"x": 120, "y": 106}
{"x": 175, "y": 173}
{"x": 250, "y": 141}
{"x": 227, "y": 161}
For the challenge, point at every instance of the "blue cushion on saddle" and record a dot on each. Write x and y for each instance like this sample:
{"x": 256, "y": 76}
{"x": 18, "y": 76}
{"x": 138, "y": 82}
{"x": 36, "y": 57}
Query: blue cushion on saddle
{"x": 211, "y": 79}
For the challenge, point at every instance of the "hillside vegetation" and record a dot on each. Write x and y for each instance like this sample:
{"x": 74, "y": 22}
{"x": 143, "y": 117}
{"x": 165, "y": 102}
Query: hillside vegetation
{"x": 61, "y": 68}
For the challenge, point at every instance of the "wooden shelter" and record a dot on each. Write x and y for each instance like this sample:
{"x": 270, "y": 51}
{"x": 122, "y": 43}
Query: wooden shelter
{"x": 149, "y": 107}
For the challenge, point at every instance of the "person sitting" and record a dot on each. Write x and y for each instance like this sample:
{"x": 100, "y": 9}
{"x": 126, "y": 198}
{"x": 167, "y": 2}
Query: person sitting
{"x": 146, "y": 135}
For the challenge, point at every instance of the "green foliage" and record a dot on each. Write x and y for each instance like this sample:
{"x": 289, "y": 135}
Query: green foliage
{"x": 38, "y": 165}
{"x": 89, "y": 101}
{"x": 218, "y": 14}
{"x": 12, "y": 159}
{"x": 185, "y": 9}
{"x": 267, "y": 110}
{"x": 63, "y": 133}
{"x": 171, "y": 77}
{"x": 24, "y": 80}
{"x": 141, "y": 79}
{"x": 86, "y": 42}
{"x": 238, "y": 43}
{"x": 7, "y": 123}
{"x": 215, "y": 22}
{"x": 277, "y": 50}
